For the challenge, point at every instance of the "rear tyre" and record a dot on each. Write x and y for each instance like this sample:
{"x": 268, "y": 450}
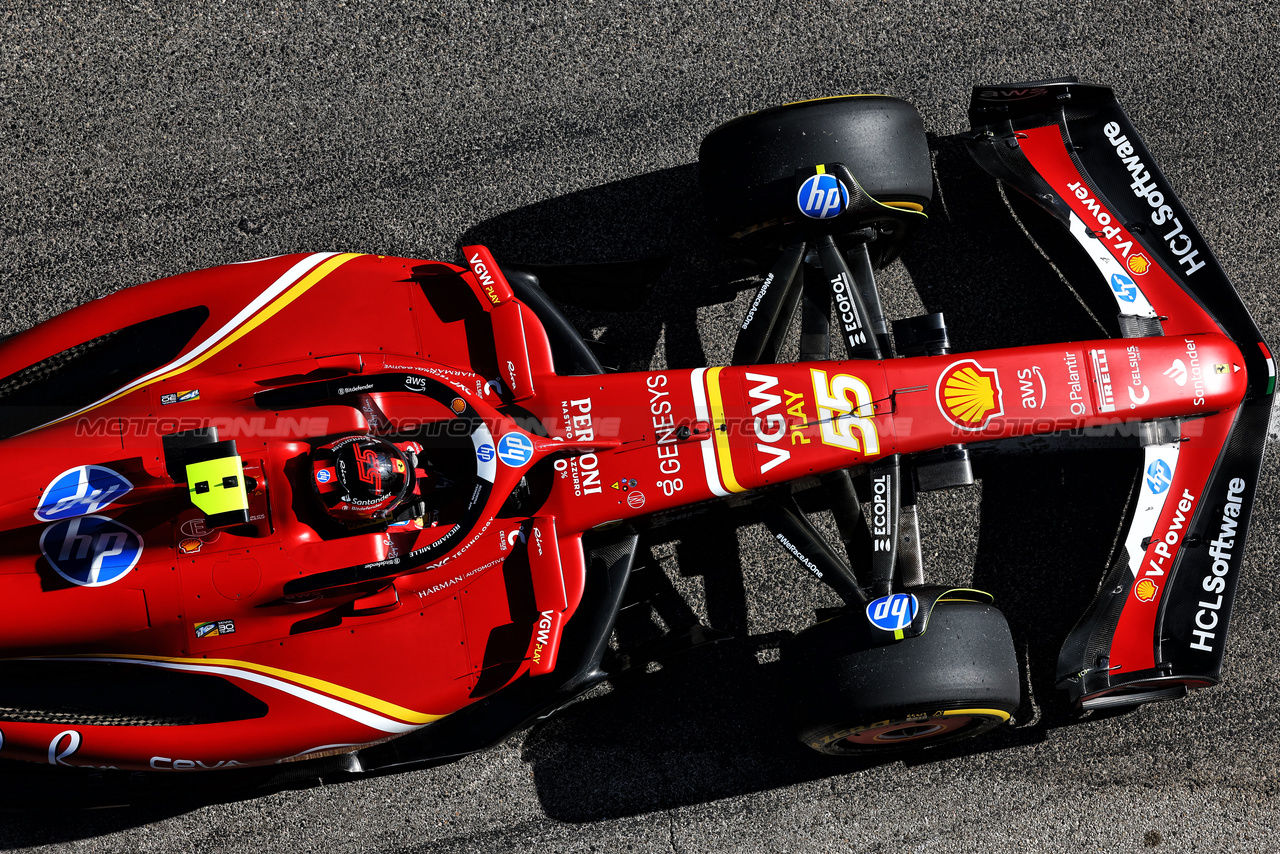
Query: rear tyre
{"x": 747, "y": 166}
{"x": 958, "y": 679}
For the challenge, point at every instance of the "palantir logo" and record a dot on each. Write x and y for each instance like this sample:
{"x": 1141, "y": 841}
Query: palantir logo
{"x": 1177, "y": 372}
{"x": 81, "y": 490}
{"x": 822, "y": 197}
{"x": 91, "y": 551}
{"x": 893, "y": 613}
{"x": 1159, "y": 476}
{"x": 1124, "y": 288}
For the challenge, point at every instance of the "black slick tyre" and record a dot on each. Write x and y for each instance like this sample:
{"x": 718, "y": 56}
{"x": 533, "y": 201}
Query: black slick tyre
{"x": 958, "y": 679}
{"x": 747, "y": 166}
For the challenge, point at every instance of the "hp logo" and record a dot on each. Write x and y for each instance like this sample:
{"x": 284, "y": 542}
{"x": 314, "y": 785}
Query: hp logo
{"x": 822, "y": 197}
{"x": 1125, "y": 289}
{"x": 1159, "y": 476}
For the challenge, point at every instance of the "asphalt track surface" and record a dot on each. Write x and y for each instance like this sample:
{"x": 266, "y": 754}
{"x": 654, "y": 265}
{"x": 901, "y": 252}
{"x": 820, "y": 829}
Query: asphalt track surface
{"x": 146, "y": 139}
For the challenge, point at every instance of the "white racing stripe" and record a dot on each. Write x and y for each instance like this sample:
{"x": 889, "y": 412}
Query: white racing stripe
{"x": 279, "y": 286}
{"x": 338, "y": 707}
{"x": 702, "y": 412}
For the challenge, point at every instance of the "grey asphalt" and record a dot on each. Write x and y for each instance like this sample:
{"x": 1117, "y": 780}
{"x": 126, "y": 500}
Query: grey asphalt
{"x": 144, "y": 139}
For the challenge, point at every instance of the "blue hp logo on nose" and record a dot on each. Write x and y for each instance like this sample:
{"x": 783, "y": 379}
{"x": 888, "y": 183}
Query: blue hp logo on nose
{"x": 1125, "y": 289}
{"x": 1159, "y": 476}
{"x": 822, "y": 197}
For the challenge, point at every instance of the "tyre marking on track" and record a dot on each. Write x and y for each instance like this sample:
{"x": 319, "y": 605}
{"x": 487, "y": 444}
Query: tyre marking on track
{"x": 282, "y": 680}
{"x": 719, "y": 428}
{"x": 267, "y": 304}
{"x": 702, "y": 413}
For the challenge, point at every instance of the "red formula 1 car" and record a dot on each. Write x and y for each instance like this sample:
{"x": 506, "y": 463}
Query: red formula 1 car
{"x": 231, "y": 538}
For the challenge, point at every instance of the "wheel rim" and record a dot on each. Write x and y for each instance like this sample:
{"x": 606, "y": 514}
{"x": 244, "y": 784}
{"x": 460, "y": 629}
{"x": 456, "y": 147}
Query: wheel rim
{"x": 906, "y": 731}
{"x": 891, "y": 733}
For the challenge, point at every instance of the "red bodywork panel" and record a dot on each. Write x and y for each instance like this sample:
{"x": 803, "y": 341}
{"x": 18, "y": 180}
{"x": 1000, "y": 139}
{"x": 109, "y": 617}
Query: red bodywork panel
{"x": 136, "y": 576}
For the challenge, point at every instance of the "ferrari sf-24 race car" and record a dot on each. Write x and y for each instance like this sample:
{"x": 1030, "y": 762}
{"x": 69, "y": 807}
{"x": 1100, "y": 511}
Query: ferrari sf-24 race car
{"x": 229, "y": 541}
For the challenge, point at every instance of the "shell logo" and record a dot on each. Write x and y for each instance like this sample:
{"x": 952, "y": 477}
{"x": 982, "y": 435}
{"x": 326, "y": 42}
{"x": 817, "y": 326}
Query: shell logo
{"x": 1138, "y": 263}
{"x": 189, "y": 545}
{"x": 1145, "y": 590}
{"x": 969, "y": 395}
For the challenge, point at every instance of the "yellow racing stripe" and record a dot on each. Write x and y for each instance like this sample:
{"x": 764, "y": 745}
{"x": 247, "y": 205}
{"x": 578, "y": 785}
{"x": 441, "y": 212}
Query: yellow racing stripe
{"x": 265, "y": 314}
{"x": 350, "y": 695}
{"x": 719, "y": 428}
{"x": 278, "y": 304}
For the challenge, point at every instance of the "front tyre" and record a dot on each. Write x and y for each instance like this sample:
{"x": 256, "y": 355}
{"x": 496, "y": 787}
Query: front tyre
{"x": 958, "y": 679}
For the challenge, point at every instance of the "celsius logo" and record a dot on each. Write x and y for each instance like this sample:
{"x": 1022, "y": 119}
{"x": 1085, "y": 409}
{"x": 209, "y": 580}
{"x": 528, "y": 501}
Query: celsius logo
{"x": 1159, "y": 477}
{"x": 822, "y": 196}
{"x": 1125, "y": 289}
{"x": 893, "y": 613}
{"x": 91, "y": 551}
{"x": 78, "y": 491}
{"x": 1177, "y": 372}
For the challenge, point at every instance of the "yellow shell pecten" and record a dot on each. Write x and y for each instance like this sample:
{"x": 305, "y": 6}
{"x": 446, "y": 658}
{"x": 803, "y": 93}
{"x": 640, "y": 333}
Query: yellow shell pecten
{"x": 969, "y": 395}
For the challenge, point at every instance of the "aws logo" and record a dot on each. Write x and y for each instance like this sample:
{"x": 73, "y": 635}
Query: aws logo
{"x": 969, "y": 395}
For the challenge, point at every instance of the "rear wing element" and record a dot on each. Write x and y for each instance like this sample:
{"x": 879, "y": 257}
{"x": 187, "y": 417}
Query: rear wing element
{"x": 1158, "y": 624}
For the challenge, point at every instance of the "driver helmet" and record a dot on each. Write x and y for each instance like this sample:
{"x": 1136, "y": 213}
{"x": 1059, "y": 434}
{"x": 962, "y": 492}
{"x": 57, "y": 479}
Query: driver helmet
{"x": 361, "y": 478}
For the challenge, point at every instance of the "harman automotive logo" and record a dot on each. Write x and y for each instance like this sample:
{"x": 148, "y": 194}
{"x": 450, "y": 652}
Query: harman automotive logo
{"x": 969, "y": 395}
{"x": 822, "y": 196}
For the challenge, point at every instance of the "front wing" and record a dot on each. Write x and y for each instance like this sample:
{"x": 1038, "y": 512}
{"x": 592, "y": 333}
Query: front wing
{"x": 1158, "y": 624}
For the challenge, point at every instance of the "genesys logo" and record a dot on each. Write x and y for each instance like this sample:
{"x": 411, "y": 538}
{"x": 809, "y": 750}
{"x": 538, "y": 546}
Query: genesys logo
{"x": 969, "y": 395}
